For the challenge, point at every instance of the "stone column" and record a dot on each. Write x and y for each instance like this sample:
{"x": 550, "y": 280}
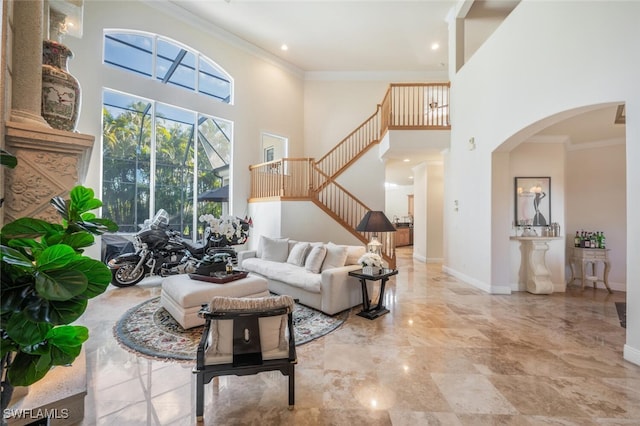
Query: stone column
{"x": 28, "y": 17}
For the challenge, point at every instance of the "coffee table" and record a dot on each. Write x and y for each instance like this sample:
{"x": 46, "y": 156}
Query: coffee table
{"x": 368, "y": 311}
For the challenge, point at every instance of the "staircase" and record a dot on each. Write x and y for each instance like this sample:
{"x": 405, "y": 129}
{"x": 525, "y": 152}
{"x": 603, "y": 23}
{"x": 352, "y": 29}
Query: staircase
{"x": 415, "y": 106}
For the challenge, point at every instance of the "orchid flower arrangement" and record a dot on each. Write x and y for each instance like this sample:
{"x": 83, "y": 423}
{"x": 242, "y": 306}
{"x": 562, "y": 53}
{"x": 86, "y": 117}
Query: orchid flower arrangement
{"x": 231, "y": 229}
{"x": 370, "y": 259}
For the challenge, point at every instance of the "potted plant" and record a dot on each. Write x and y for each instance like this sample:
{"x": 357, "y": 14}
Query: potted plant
{"x": 46, "y": 285}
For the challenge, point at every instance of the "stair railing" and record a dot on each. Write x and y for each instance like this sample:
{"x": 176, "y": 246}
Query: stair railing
{"x": 352, "y": 147}
{"x": 414, "y": 106}
{"x": 346, "y": 209}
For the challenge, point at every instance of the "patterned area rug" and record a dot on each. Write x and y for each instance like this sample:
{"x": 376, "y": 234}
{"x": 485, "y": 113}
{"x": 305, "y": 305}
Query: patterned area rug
{"x": 148, "y": 329}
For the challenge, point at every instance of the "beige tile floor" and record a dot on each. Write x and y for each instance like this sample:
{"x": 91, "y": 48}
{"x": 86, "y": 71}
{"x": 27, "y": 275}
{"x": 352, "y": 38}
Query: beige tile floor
{"x": 446, "y": 354}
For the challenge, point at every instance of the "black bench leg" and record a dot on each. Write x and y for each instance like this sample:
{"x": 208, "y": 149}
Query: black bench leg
{"x": 292, "y": 387}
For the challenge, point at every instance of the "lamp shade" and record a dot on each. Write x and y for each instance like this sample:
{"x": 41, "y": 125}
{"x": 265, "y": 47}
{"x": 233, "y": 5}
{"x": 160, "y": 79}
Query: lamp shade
{"x": 375, "y": 221}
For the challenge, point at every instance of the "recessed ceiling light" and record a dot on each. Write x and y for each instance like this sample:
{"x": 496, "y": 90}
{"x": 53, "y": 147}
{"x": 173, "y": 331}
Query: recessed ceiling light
{"x": 435, "y": 46}
{"x": 284, "y": 47}
{"x": 410, "y": 177}
{"x": 406, "y": 160}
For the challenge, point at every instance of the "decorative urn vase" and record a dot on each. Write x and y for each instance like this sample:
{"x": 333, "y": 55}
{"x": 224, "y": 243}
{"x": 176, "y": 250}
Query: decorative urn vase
{"x": 60, "y": 90}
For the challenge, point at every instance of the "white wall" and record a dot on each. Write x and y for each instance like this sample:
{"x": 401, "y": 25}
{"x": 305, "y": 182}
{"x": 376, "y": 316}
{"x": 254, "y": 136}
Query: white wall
{"x": 292, "y": 219}
{"x": 526, "y": 79}
{"x": 434, "y": 211}
{"x": 396, "y": 202}
{"x": 333, "y": 109}
{"x": 365, "y": 180}
{"x": 596, "y": 201}
{"x": 266, "y": 96}
{"x": 420, "y": 187}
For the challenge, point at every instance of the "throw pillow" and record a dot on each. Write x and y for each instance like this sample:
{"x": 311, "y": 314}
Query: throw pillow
{"x": 336, "y": 256}
{"x": 315, "y": 258}
{"x": 274, "y": 249}
{"x": 354, "y": 253}
{"x": 298, "y": 254}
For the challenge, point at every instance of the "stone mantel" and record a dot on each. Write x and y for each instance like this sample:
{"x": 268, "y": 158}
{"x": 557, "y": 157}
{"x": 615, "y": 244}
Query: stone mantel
{"x": 50, "y": 163}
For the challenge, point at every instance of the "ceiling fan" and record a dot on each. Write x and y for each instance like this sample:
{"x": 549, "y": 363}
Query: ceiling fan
{"x": 436, "y": 105}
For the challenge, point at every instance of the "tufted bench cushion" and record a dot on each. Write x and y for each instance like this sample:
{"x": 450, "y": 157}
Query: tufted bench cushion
{"x": 182, "y": 297}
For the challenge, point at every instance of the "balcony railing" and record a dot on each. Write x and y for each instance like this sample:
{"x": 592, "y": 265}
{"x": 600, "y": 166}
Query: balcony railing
{"x": 284, "y": 178}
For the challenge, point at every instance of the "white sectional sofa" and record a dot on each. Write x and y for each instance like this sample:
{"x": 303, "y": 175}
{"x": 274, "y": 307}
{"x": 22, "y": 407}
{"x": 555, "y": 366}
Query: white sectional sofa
{"x": 314, "y": 273}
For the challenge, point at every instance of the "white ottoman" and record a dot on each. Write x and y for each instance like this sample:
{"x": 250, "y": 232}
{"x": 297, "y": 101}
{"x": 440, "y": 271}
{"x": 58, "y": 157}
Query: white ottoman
{"x": 183, "y": 297}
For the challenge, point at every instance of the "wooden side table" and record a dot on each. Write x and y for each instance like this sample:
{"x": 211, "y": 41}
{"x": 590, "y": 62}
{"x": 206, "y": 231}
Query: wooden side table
{"x": 368, "y": 311}
{"x": 586, "y": 256}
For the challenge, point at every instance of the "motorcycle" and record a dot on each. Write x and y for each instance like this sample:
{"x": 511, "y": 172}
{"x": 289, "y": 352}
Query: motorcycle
{"x": 161, "y": 251}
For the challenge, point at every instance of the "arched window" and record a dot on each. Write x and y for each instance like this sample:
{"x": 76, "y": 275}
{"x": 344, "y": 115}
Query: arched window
{"x": 168, "y": 61}
{"x": 157, "y": 155}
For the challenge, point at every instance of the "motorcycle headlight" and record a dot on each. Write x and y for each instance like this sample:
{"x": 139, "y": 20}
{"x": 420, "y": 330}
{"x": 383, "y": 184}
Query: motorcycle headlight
{"x": 137, "y": 242}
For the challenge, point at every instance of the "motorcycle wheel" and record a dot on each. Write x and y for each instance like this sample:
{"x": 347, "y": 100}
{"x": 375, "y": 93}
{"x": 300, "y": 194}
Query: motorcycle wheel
{"x": 124, "y": 276}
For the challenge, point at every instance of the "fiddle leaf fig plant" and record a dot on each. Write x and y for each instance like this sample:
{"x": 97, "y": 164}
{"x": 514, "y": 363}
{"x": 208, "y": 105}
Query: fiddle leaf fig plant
{"x": 46, "y": 285}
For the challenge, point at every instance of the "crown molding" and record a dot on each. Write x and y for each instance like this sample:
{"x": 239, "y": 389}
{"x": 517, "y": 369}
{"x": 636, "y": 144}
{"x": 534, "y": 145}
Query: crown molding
{"x": 572, "y": 146}
{"x": 170, "y": 8}
{"x": 394, "y": 76}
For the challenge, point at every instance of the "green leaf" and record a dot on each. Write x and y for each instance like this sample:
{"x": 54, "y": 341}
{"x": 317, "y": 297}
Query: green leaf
{"x": 26, "y": 369}
{"x": 97, "y": 273}
{"x": 25, "y": 243}
{"x": 11, "y": 297}
{"x": 78, "y": 239}
{"x": 61, "y": 206}
{"x": 55, "y": 257}
{"x": 82, "y": 199}
{"x": 59, "y": 285}
{"x": 66, "y": 337}
{"x": 66, "y": 312}
{"x": 25, "y": 332}
{"x": 107, "y": 223}
{"x": 37, "y": 309}
{"x": 7, "y": 159}
{"x": 27, "y": 227}
{"x": 6, "y": 346}
{"x": 15, "y": 257}
{"x": 44, "y": 363}
{"x": 60, "y": 357}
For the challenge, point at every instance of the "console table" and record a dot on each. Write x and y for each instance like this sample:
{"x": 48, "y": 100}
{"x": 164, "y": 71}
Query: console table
{"x": 585, "y": 256}
{"x": 538, "y": 277}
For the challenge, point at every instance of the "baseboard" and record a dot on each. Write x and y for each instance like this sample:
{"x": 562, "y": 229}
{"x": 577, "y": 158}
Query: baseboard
{"x": 435, "y": 260}
{"x": 631, "y": 354}
{"x": 617, "y": 286}
{"x": 419, "y": 258}
{"x": 476, "y": 283}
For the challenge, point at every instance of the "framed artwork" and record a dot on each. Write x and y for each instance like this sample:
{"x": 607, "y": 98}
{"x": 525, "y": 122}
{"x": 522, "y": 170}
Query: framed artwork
{"x": 533, "y": 201}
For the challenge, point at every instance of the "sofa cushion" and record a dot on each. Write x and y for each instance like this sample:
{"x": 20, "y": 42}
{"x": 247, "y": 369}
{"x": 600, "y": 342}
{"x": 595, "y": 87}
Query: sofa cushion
{"x": 315, "y": 258}
{"x": 296, "y": 276}
{"x": 354, "y": 253}
{"x": 274, "y": 249}
{"x": 336, "y": 256}
{"x": 298, "y": 254}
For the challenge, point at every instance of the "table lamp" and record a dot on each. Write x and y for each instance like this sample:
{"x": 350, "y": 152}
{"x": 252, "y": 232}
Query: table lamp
{"x": 375, "y": 221}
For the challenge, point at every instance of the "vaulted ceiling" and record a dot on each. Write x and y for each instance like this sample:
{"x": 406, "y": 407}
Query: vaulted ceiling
{"x": 368, "y": 37}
